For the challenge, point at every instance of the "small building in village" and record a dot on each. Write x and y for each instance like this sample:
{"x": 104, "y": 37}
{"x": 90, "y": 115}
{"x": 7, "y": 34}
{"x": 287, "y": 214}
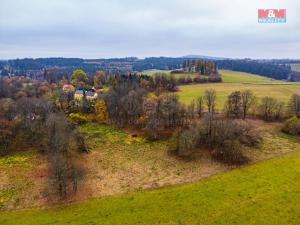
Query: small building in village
{"x": 68, "y": 88}
{"x": 90, "y": 95}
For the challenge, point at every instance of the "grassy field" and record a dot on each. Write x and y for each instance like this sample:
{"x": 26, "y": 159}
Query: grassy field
{"x": 265, "y": 193}
{"x": 296, "y": 67}
{"x": 282, "y": 92}
{"x": 235, "y": 81}
{"x": 15, "y": 183}
{"x": 228, "y": 76}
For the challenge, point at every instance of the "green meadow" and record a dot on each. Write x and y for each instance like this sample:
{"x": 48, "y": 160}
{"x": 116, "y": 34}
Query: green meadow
{"x": 235, "y": 81}
{"x": 282, "y": 92}
{"x": 228, "y": 76}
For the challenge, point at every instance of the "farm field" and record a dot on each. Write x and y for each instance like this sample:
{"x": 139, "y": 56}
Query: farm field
{"x": 236, "y": 197}
{"x": 228, "y": 76}
{"x": 282, "y": 92}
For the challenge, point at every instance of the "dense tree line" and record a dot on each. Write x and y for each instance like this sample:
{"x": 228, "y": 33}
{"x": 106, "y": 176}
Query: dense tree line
{"x": 160, "y": 63}
{"x": 127, "y": 105}
{"x": 40, "y": 63}
{"x": 183, "y": 80}
{"x": 202, "y": 67}
{"x": 294, "y": 76}
{"x": 17, "y": 87}
{"x": 274, "y": 71}
{"x": 124, "y": 102}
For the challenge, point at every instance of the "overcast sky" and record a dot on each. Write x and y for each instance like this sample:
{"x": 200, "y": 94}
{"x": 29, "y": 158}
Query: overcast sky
{"x": 119, "y": 28}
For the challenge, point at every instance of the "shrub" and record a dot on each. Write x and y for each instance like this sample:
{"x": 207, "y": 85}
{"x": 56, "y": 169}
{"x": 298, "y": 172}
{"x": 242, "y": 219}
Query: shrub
{"x": 250, "y": 139}
{"x": 226, "y": 137}
{"x": 181, "y": 80}
{"x": 78, "y": 118}
{"x": 214, "y": 79}
{"x": 292, "y": 126}
{"x": 79, "y": 141}
{"x": 183, "y": 142}
{"x": 271, "y": 109}
{"x": 230, "y": 152}
{"x": 188, "y": 80}
{"x": 233, "y": 105}
{"x": 200, "y": 79}
{"x": 101, "y": 114}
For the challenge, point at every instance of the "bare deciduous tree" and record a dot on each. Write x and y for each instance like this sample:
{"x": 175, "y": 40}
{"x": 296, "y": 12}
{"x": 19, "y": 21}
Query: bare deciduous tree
{"x": 64, "y": 171}
{"x": 271, "y": 108}
{"x": 294, "y": 105}
{"x": 247, "y": 101}
{"x": 200, "y": 106}
{"x": 210, "y": 100}
{"x": 191, "y": 109}
{"x": 233, "y": 105}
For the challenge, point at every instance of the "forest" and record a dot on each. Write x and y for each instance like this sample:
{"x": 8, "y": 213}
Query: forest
{"x": 275, "y": 69}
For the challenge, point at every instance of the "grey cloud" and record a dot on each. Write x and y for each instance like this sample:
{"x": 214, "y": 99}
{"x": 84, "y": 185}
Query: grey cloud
{"x": 116, "y": 28}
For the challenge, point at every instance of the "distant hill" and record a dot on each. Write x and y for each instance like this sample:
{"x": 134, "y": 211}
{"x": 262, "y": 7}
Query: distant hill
{"x": 202, "y": 57}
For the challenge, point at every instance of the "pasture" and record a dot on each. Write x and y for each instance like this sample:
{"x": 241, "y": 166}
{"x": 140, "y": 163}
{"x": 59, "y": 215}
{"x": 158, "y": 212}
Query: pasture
{"x": 282, "y": 92}
{"x": 228, "y": 76}
{"x": 235, "y": 81}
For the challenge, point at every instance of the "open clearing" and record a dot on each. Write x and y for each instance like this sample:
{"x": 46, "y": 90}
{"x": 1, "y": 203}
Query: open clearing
{"x": 265, "y": 193}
